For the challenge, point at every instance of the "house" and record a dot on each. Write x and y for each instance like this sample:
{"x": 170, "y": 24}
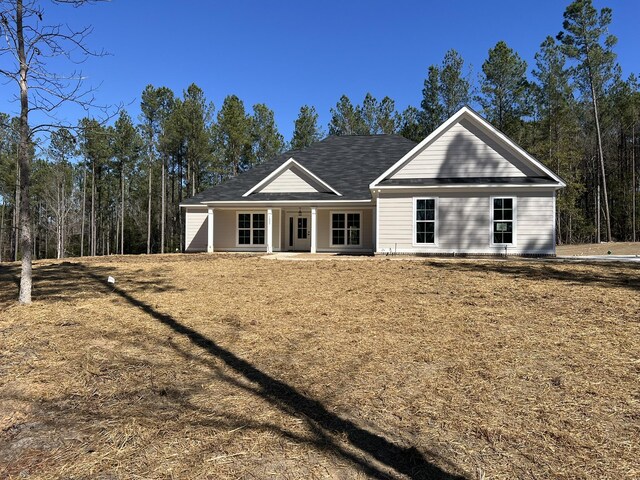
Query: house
{"x": 465, "y": 189}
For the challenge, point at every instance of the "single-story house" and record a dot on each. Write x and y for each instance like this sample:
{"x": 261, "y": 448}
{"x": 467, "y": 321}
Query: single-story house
{"x": 465, "y": 189}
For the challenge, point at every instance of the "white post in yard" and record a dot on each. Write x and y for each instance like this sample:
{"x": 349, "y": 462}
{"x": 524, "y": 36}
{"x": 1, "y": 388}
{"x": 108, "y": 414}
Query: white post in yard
{"x": 210, "y": 231}
{"x": 269, "y": 231}
{"x": 314, "y": 236}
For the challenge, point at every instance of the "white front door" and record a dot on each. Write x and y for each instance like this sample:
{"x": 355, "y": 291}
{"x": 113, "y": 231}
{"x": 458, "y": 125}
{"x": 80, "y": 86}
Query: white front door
{"x": 299, "y": 233}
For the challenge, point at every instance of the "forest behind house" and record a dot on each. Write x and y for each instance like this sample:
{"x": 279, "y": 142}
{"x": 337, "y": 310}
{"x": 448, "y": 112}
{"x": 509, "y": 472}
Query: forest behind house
{"x": 99, "y": 188}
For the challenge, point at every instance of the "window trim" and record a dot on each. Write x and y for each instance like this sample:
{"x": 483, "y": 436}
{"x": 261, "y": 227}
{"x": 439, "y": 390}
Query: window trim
{"x": 414, "y": 222}
{"x": 331, "y": 229}
{"x": 514, "y": 236}
{"x": 251, "y": 228}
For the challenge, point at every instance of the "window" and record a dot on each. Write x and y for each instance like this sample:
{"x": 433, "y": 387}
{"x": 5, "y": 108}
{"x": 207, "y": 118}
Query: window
{"x": 425, "y": 221}
{"x": 502, "y": 228}
{"x": 345, "y": 228}
{"x": 251, "y": 229}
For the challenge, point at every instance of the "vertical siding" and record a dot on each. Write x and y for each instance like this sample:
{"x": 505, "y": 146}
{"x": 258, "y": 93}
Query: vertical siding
{"x": 464, "y": 151}
{"x": 464, "y": 222}
{"x": 287, "y": 182}
{"x": 196, "y": 230}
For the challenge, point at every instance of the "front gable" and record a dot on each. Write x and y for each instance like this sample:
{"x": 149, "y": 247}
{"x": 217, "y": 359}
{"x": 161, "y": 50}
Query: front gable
{"x": 466, "y": 147}
{"x": 291, "y": 177}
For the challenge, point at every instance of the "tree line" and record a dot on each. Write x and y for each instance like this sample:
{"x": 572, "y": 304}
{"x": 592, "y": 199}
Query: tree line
{"x": 98, "y": 189}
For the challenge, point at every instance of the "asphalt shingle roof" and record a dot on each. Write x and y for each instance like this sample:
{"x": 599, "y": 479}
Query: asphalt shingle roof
{"x": 347, "y": 163}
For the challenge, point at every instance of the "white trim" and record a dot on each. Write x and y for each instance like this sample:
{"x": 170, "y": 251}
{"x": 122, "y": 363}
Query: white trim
{"x": 466, "y": 185}
{"x": 258, "y": 203}
{"x": 555, "y": 240}
{"x": 514, "y": 221}
{"x": 455, "y": 118}
{"x": 269, "y": 230}
{"x": 210, "y": 236}
{"x": 331, "y": 229}
{"x": 286, "y": 165}
{"x": 261, "y": 246}
{"x": 314, "y": 234}
{"x": 435, "y": 222}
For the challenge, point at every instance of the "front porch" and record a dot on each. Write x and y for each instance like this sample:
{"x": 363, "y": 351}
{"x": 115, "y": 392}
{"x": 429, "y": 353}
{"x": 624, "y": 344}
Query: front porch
{"x": 291, "y": 228}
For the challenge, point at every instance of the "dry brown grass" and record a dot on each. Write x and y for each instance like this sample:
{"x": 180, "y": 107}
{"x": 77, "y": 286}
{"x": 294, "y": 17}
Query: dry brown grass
{"x": 238, "y": 367}
{"x": 616, "y": 248}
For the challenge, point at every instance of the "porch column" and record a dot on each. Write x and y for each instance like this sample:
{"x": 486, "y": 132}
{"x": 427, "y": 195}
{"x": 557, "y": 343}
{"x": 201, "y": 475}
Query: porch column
{"x": 314, "y": 235}
{"x": 210, "y": 230}
{"x": 269, "y": 231}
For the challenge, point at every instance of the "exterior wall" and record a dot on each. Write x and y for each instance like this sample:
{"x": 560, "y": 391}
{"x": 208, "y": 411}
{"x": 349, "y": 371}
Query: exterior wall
{"x": 225, "y": 231}
{"x": 287, "y": 182}
{"x": 196, "y": 230}
{"x": 463, "y": 222}
{"x": 464, "y": 151}
{"x": 366, "y": 230}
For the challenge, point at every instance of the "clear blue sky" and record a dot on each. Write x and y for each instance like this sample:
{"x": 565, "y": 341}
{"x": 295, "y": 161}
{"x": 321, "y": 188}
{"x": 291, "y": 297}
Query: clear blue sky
{"x": 291, "y": 53}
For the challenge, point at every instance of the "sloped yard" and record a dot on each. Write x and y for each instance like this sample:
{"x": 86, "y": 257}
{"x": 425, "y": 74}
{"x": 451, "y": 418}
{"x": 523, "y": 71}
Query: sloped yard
{"x": 238, "y": 367}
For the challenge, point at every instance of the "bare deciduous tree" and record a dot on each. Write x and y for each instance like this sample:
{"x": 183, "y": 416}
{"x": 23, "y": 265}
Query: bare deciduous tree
{"x": 29, "y": 44}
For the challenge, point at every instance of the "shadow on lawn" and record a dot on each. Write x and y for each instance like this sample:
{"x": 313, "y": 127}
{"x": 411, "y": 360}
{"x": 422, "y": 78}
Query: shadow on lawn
{"x": 65, "y": 280}
{"x": 604, "y": 275}
{"x": 71, "y": 280}
{"x": 325, "y": 424}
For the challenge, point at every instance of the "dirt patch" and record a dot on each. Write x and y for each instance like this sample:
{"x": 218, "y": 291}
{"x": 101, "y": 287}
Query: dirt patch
{"x": 196, "y": 366}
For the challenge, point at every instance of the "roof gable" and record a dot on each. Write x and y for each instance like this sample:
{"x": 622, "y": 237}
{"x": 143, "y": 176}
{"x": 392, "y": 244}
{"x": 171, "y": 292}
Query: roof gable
{"x": 291, "y": 177}
{"x": 466, "y": 146}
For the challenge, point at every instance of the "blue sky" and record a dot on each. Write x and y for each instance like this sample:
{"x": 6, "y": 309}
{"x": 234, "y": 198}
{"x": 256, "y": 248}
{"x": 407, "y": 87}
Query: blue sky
{"x": 287, "y": 54}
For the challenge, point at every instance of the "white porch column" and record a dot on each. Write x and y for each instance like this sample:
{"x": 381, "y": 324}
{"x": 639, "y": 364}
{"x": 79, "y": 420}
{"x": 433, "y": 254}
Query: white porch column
{"x": 269, "y": 231}
{"x": 210, "y": 230}
{"x": 314, "y": 235}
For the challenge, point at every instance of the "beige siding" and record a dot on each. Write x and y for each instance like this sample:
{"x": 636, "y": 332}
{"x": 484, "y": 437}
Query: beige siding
{"x": 464, "y": 151}
{"x": 324, "y": 231}
{"x": 196, "y": 230}
{"x": 464, "y": 222}
{"x": 225, "y": 231}
{"x": 289, "y": 181}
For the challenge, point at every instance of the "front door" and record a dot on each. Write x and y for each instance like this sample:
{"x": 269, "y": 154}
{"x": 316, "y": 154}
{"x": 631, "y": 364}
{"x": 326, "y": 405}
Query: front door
{"x": 300, "y": 233}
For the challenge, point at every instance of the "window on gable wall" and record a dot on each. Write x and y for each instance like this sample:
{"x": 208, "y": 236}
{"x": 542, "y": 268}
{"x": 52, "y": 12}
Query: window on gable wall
{"x": 425, "y": 232}
{"x": 502, "y": 231}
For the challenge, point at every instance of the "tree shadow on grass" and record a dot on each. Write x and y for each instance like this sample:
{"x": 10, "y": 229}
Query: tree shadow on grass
{"x": 621, "y": 275}
{"x": 68, "y": 280}
{"x": 407, "y": 461}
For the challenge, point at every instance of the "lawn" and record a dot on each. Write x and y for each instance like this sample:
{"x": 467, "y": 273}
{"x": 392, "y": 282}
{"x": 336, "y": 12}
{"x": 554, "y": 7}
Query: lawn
{"x": 197, "y": 366}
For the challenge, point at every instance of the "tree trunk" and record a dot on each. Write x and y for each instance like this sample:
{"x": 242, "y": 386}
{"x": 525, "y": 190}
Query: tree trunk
{"x": 2, "y": 227}
{"x": 633, "y": 181}
{"x": 84, "y": 202}
{"x": 149, "y": 213}
{"x": 16, "y": 211}
{"x": 122, "y": 211}
{"x": 25, "y": 165}
{"x": 94, "y": 236}
{"x": 163, "y": 214}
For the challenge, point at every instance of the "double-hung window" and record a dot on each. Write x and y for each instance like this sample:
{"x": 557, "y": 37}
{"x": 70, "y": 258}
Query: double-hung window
{"x": 502, "y": 229}
{"x": 425, "y": 221}
{"x": 251, "y": 228}
{"x": 345, "y": 228}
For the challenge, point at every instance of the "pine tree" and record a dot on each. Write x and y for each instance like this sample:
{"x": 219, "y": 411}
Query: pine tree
{"x": 504, "y": 89}
{"x": 586, "y": 40}
{"x": 233, "y": 136}
{"x": 266, "y": 140}
{"x": 306, "y": 130}
{"x": 346, "y": 119}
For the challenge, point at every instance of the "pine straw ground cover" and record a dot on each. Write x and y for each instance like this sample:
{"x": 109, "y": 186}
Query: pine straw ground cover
{"x": 238, "y": 367}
